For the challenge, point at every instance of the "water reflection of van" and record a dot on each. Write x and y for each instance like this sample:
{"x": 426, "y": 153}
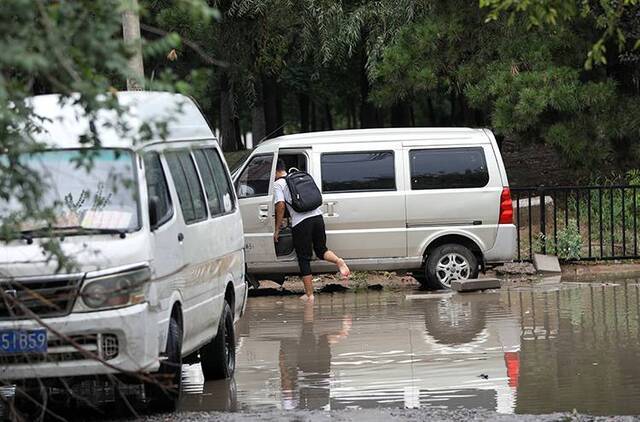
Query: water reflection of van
{"x": 155, "y": 233}
{"x": 375, "y": 350}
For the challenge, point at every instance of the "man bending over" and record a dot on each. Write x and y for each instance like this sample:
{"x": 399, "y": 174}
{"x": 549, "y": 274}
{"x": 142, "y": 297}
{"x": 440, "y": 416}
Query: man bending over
{"x": 308, "y": 233}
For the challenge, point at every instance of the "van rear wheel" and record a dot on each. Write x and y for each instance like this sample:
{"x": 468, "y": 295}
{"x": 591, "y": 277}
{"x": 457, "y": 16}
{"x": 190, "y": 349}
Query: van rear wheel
{"x": 448, "y": 263}
{"x": 218, "y": 358}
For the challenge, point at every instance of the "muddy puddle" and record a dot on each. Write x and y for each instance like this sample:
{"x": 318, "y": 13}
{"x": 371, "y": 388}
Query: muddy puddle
{"x": 552, "y": 348}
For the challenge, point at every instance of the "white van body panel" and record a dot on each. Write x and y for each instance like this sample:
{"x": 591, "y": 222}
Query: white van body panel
{"x": 470, "y": 210}
{"x": 383, "y": 230}
{"x": 192, "y": 266}
{"x": 349, "y": 234}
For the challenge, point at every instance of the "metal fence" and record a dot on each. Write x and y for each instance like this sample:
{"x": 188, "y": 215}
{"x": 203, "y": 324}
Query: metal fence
{"x": 586, "y": 222}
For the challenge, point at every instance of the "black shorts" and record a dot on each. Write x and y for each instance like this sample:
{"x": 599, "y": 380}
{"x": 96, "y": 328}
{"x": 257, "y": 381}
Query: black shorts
{"x": 309, "y": 236}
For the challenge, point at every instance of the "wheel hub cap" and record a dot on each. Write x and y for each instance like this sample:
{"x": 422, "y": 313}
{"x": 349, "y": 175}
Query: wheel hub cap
{"x": 452, "y": 267}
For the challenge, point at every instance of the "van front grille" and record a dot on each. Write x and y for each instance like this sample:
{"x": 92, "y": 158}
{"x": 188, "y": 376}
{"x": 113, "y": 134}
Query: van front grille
{"x": 45, "y": 297}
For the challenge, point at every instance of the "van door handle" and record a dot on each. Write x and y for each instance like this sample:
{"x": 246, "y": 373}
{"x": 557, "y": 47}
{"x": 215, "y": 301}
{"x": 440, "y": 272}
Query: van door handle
{"x": 263, "y": 212}
{"x": 180, "y": 237}
{"x": 330, "y": 207}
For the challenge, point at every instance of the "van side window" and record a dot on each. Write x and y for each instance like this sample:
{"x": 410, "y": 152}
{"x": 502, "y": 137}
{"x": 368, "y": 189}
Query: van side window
{"x": 157, "y": 186}
{"x": 210, "y": 187}
{"x": 255, "y": 179}
{"x": 222, "y": 179}
{"x": 188, "y": 186}
{"x": 448, "y": 168}
{"x": 358, "y": 171}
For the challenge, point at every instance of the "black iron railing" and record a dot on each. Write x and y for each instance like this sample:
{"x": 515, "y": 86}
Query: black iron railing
{"x": 577, "y": 222}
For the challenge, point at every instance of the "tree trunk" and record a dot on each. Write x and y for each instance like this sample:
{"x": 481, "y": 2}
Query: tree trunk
{"x": 368, "y": 113}
{"x": 454, "y": 109}
{"x": 133, "y": 41}
{"x": 258, "y": 122}
{"x": 273, "y": 107}
{"x": 314, "y": 123}
{"x": 303, "y": 101}
{"x": 238, "y": 133}
{"x": 400, "y": 115}
{"x": 433, "y": 119}
{"x": 327, "y": 117}
{"x": 227, "y": 125}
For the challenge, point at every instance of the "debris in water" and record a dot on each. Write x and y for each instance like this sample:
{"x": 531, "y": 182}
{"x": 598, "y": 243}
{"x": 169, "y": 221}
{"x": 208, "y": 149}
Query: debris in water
{"x": 270, "y": 291}
{"x": 332, "y": 288}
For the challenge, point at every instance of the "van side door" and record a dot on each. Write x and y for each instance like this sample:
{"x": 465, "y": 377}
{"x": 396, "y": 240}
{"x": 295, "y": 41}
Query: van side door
{"x": 166, "y": 248}
{"x": 225, "y": 228}
{"x": 254, "y": 187}
{"x": 195, "y": 285}
{"x": 363, "y": 194}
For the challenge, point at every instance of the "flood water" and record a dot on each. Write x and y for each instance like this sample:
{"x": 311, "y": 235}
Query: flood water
{"x": 552, "y": 348}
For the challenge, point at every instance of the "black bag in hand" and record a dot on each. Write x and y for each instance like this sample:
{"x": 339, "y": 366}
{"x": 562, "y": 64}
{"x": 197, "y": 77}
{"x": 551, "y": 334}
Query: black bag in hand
{"x": 305, "y": 195}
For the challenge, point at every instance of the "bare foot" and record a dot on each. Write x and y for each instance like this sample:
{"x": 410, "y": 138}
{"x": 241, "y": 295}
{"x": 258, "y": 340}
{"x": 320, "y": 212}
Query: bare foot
{"x": 345, "y": 272}
{"x": 308, "y": 299}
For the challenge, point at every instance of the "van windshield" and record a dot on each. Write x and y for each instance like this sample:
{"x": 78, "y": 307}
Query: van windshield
{"x": 87, "y": 190}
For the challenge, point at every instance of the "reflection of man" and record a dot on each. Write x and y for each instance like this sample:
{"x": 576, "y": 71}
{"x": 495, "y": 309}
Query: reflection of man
{"x": 305, "y": 364}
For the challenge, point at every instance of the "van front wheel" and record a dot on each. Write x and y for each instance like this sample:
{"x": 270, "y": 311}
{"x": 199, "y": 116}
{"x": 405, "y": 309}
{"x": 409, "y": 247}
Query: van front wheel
{"x": 163, "y": 390}
{"x": 218, "y": 358}
{"x": 448, "y": 263}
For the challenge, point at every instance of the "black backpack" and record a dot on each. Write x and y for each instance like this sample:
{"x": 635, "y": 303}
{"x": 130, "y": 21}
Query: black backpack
{"x": 305, "y": 195}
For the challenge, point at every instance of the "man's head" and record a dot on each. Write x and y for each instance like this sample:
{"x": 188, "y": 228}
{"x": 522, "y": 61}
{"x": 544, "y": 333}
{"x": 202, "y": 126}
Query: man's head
{"x": 281, "y": 169}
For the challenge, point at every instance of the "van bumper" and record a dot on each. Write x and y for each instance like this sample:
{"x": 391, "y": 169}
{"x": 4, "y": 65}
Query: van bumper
{"x": 134, "y": 327}
{"x": 504, "y": 248}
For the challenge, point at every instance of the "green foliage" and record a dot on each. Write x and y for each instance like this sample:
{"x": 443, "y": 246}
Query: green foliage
{"x": 540, "y": 13}
{"x": 567, "y": 246}
{"x": 75, "y": 49}
{"x": 527, "y": 84}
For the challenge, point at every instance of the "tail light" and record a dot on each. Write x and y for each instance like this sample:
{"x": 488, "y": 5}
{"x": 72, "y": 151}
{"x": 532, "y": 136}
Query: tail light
{"x": 506, "y": 207}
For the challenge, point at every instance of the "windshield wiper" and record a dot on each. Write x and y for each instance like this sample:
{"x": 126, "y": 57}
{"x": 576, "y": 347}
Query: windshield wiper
{"x": 70, "y": 231}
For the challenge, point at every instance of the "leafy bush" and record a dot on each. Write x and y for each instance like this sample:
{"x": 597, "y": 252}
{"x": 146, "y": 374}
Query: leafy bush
{"x": 569, "y": 243}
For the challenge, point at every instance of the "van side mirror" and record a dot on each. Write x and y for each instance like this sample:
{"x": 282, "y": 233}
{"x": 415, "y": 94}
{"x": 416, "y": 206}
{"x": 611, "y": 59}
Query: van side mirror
{"x": 154, "y": 205}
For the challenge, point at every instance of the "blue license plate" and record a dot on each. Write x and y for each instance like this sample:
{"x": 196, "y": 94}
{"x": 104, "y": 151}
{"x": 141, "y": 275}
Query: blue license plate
{"x": 23, "y": 341}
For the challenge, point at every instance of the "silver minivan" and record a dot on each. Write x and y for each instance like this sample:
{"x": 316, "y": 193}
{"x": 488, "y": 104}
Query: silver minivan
{"x": 431, "y": 201}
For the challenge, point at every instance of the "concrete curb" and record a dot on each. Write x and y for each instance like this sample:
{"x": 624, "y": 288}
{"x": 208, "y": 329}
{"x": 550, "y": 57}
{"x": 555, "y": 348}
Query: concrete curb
{"x": 609, "y": 270}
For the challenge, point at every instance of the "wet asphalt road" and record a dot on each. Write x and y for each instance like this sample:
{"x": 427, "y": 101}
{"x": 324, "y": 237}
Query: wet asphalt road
{"x": 382, "y": 415}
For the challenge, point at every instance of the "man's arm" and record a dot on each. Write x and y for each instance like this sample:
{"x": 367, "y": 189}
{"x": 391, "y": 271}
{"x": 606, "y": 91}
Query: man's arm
{"x": 280, "y": 207}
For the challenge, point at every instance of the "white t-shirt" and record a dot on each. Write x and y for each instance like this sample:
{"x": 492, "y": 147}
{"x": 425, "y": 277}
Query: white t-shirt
{"x": 282, "y": 194}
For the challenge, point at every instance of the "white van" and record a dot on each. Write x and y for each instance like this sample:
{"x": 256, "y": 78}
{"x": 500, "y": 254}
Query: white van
{"x": 156, "y": 234}
{"x": 434, "y": 202}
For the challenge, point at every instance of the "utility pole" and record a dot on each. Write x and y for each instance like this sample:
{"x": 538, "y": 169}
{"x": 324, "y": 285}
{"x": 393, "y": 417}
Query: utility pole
{"x": 132, "y": 38}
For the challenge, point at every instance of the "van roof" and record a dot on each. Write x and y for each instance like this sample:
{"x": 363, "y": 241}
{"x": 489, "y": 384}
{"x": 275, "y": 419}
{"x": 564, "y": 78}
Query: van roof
{"x": 63, "y": 122}
{"x": 381, "y": 135}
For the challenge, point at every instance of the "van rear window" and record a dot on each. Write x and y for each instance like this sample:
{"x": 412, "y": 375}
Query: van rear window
{"x": 448, "y": 168}
{"x": 358, "y": 171}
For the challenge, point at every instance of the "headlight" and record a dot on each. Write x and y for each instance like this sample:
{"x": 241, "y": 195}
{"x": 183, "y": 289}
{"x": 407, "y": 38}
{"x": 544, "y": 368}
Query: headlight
{"x": 116, "y": 290}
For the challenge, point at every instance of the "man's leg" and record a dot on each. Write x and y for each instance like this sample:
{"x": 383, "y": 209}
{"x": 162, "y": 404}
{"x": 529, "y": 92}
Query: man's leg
{"x": 320, "y": 246}
{"x": 307, "y": 280}
{"x": 302, "y": 243}
{"x": 335, "y": 259}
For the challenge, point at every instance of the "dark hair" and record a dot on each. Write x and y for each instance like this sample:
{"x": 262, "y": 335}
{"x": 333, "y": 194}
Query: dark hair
{"x": 280, "y": 166}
